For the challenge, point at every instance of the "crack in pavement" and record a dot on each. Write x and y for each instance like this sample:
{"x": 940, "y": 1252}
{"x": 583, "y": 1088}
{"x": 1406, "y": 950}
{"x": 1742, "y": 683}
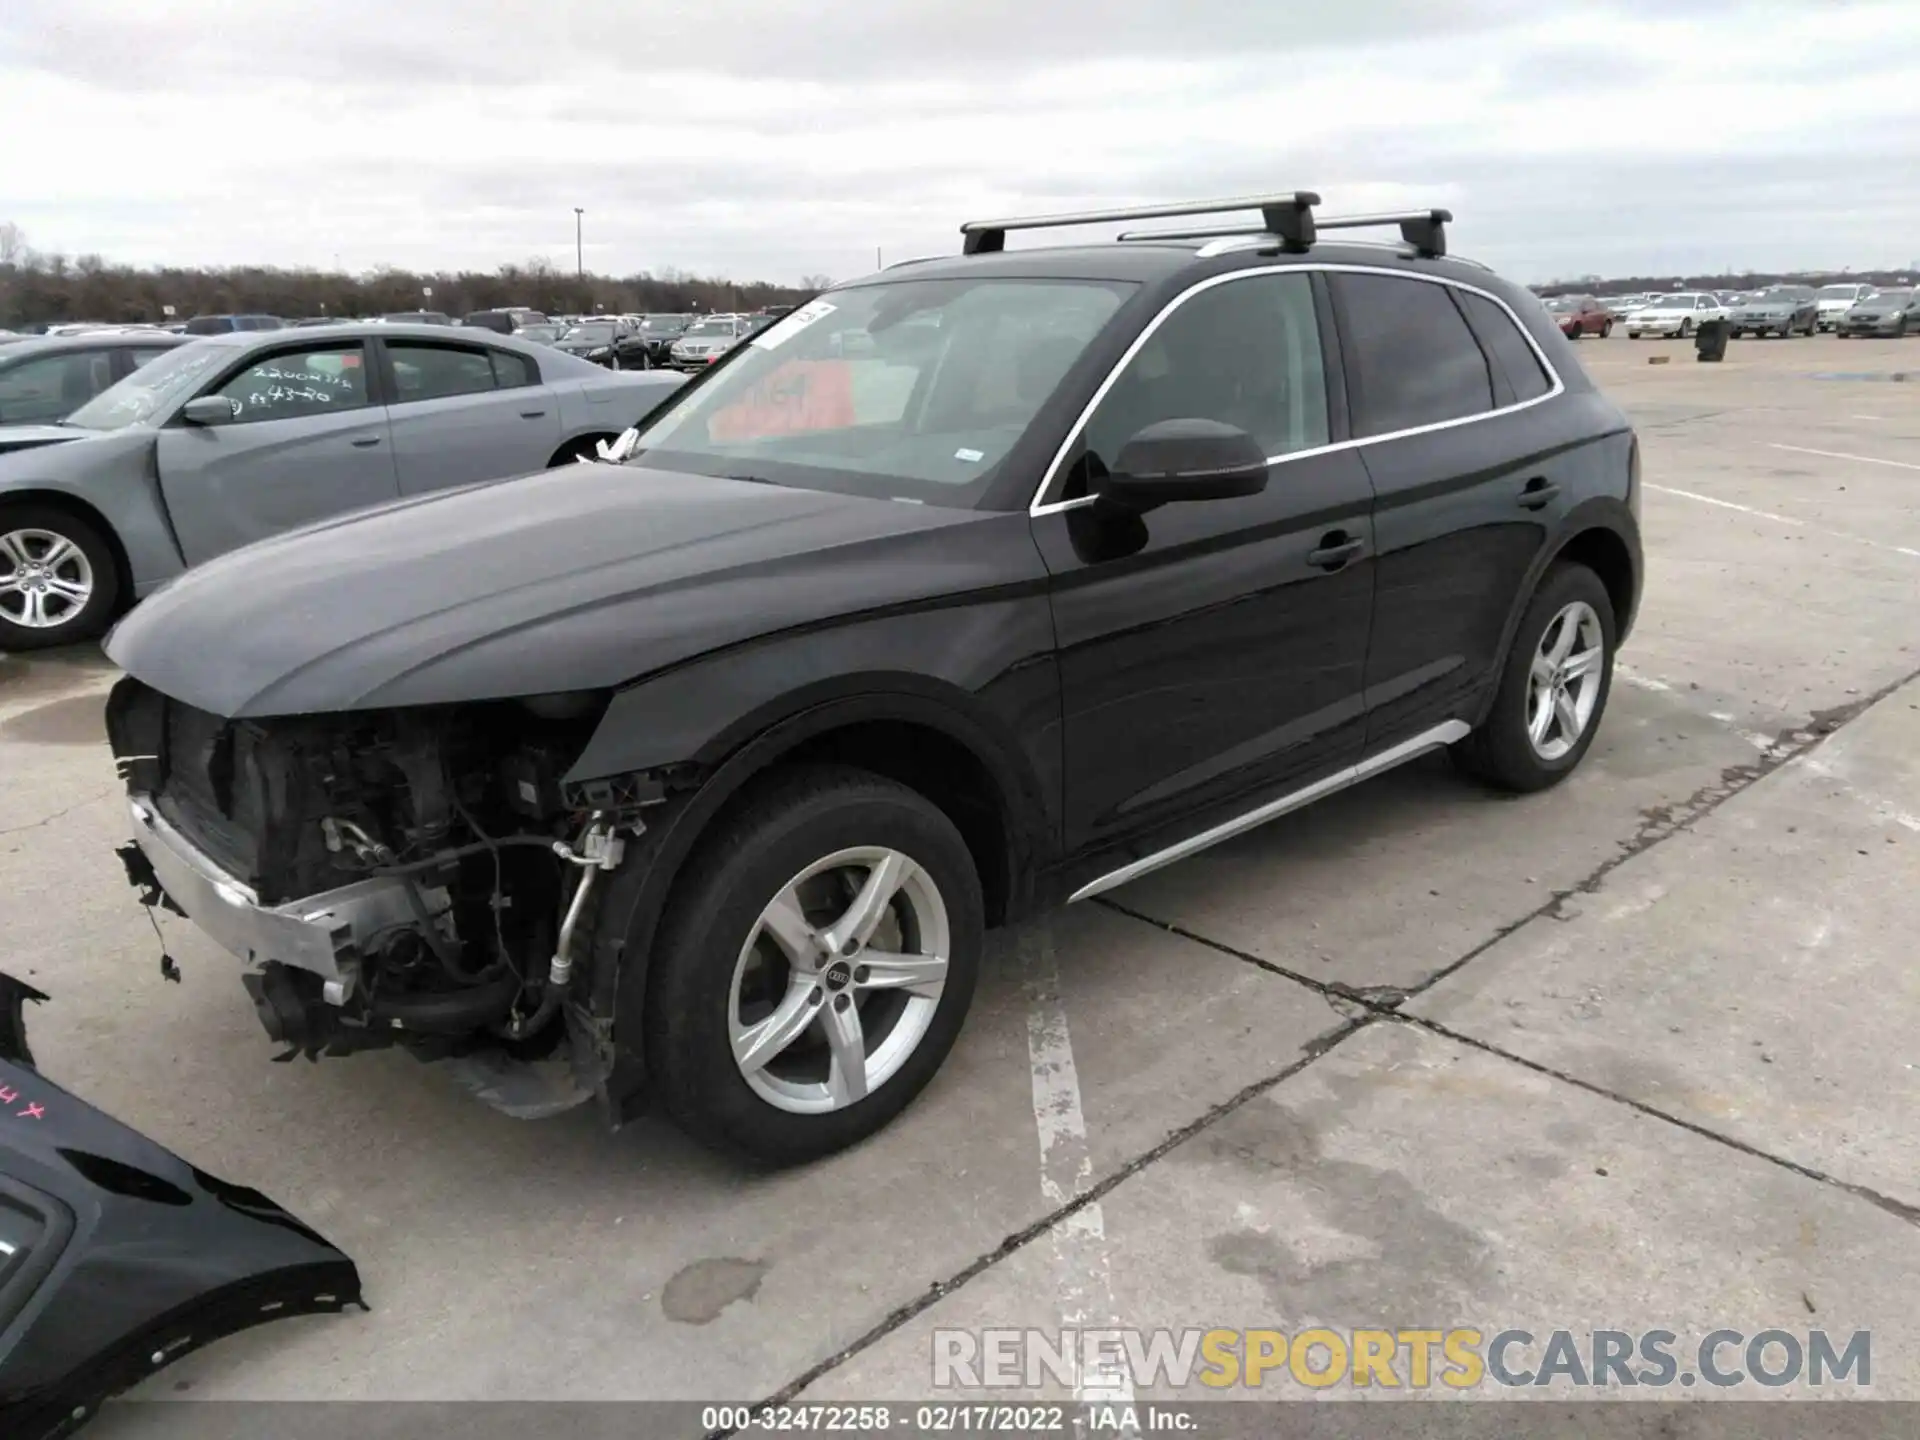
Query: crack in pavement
{"x": 1020, "y": 1239}
{"x": 61, "y": 813}
{"x": 1362, "y": 1006}
{"x": 1897, "y": 1208}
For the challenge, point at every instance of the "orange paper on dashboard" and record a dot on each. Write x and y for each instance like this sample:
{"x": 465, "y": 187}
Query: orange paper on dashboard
{"x": 801, "y": 395}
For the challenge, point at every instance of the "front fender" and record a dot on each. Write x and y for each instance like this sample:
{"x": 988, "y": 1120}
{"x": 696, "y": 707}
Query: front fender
{"x": 116, "y": 478}
{"x": 982, "y": 675}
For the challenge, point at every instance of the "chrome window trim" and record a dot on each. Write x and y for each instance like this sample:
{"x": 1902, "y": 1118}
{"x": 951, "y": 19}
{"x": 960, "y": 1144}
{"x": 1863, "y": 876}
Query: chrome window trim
{"x": 1036, "y": 508}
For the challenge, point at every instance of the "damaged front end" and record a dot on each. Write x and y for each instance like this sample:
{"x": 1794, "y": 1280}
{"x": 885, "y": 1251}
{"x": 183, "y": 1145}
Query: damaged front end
{"x": 413, "y": 877}
{"x": 117, "y": 1257}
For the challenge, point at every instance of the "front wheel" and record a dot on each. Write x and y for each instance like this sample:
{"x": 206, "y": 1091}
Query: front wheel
{"x": 59, "y": 581}
{"x": 1686, "y": 328}
{"x": 814, "y": 972}
{"x": 1606, "y": 329}
{"x": 1553, "y": 689}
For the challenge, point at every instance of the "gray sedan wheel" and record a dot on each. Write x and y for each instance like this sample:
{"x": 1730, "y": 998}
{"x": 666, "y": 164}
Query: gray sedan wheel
{"x": 59, "y": 582}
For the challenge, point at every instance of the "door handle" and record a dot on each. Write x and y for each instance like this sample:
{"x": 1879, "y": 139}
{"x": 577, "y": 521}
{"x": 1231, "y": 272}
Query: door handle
{"x": 1335, "y": 550}
{"x": 366, "y": 442}
{"x": 531, "y": 414}
{"x": 1538, "y": 493}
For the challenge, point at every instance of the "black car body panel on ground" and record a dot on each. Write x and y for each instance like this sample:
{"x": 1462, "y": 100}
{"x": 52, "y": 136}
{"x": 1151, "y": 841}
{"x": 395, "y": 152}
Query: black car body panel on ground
{"x": 118, "y": 1258}
{"x": 998, "y": 580}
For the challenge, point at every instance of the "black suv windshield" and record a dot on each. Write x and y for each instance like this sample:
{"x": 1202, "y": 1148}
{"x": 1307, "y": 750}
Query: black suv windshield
{"x": 901, "y": 389}
{"x": 601, "y": 330}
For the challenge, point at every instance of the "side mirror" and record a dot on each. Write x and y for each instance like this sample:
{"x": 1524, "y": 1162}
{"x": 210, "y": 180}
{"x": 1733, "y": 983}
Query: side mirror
{"x": 208, "y": 410}
{"x": 1185, "y": 460}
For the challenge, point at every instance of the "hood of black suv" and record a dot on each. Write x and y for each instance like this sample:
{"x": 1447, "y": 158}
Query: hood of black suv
{"x": 582, "y": 577}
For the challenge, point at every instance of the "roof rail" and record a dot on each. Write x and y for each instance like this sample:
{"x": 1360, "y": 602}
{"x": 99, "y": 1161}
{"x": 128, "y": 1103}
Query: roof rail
{"x": 1424, "y": 230}
{"x": 1289, "y": 217}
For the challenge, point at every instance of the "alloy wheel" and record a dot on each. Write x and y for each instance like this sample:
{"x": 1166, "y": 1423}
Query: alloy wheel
{"x": 1563, "y": 687}
{"x": 839, "y": 979}
{"x": 46, "y": 579}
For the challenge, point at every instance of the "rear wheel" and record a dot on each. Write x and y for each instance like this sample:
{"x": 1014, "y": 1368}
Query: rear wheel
{"x": 1606, "y": 328}
{"x": 1686, "y": 328}
{"x": 1553, "y": 689}
{"x": 59, "y": 581}
{"x": 812, "y": 977}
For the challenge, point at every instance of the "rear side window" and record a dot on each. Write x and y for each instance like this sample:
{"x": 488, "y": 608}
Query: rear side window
{"x": 1412, "y": 359}
{"x": 49, "y": 387}
{"x": 137, "y": 358}
{"x": 1509, "y": 348}
{"x": 433, "y": 372}
{"x": 511, "y": 370}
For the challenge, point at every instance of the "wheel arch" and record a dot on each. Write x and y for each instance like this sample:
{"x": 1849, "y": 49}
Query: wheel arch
{"x": 580, "y": 444}
{"x": 1602, "y": 535}
{"x": 909, "y": 732}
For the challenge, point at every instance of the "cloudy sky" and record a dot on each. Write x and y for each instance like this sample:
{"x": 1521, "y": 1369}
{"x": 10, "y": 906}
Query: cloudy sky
{"x": 770, "y": 139}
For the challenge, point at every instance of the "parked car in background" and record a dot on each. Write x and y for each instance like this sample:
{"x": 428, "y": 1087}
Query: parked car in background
{"x": 43, "y": 381}
{"x": 706, "y": 341}
{"x": 1886, "y": 313}
{"x": 504, "y": 322}
{"x": 1677, "y": 315}
{"x": 1778, "y": 310}
{"x": 417, "y": 317}
{"x": 1621, "y": 306}
{"x": 659, "y": 332}
{"x": 1578, "y": 315}
{"x": 1073, "y": 574}
{"x": 227, "y": 324}
{"x": 539, "y": 334}
{"x": 614, "y": 343}
{"x": 234, "y": 437}
{"x": 1833, "y": 301}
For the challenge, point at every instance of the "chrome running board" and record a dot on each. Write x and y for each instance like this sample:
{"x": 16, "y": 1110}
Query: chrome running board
{"x": 1434, "y": 739}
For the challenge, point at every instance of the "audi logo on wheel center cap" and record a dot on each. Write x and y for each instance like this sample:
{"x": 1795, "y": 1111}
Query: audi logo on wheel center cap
{"x": 838, "y": 974}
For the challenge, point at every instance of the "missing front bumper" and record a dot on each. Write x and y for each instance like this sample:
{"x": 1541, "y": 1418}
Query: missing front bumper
{"x": 318, "y": 933}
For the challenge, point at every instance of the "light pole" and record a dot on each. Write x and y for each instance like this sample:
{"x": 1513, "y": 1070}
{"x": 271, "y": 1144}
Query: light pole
{"x": 579, "y": 261}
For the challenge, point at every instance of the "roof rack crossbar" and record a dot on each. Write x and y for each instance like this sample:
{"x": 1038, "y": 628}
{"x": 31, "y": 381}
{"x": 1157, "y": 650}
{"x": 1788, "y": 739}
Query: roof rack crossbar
{"x": 1289, "y": 216}
{"x": 1424, "y": 230}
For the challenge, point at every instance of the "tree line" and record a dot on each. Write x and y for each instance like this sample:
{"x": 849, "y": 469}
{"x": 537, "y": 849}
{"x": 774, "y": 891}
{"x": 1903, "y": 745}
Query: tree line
{"x": 39, "y": 288}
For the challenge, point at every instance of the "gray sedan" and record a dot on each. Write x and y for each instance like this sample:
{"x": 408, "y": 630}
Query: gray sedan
{"x": 44, "y": 380}
{"x": 236, "y": 437}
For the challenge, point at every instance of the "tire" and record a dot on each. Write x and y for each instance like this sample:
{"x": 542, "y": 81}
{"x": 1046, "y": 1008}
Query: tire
{"x": 1686, "y": 329}
{"x": 613, "y": 362}
{"x": 1502, "y": 752}
{"x": 1606, "y": 329}
{"x": 714, "y": 953}
{"x": 1900, "y": 329}
{"x": 74, "y": 600}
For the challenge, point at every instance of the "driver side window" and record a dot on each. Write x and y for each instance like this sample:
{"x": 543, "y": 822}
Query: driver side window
{"x": 314, "y": 381}
{"x": 1244, "y": 352}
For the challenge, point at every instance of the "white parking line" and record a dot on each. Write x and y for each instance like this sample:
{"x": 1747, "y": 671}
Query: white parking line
{"x": 1838, "y": 455}
{"x": 1066, "y": 1165}
{"x": 1786, "y": 519}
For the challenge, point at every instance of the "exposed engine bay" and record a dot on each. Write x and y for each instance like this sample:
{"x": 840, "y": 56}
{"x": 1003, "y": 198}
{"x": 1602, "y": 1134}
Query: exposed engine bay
{"x": 404, "y": 877}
